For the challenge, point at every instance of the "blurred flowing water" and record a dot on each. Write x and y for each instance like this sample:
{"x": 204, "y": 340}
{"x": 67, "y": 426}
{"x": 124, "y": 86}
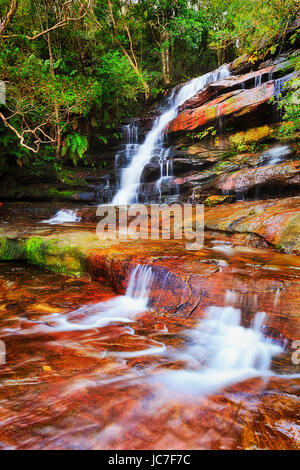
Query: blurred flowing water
{"x": 91, "y": 370}
{"x": 154, "y": 145}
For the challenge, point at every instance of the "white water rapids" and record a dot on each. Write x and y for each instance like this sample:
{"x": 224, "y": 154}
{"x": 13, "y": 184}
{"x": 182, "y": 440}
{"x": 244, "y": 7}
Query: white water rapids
{"x": 153, "y": 144}
{"x": 219, "y": 352}
{"x": 62, "y": 216}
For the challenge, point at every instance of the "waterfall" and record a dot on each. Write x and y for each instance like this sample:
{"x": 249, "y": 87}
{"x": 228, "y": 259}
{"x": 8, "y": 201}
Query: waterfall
{"x": 63, "y": 216}
{"x": 258, "y": 81}
{"x": 124, "y": 156}
{"x": 139, "y": 283}
{"x": 222, "y": 352}
{"x": 275, "y": 155}
{"x": 154, "y": 144}
{"x": 120, "y": 309}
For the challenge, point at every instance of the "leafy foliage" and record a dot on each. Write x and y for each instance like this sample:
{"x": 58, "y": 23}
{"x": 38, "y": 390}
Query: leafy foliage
{"x": 76, "y": 145}
{"x": 65, "y": 77}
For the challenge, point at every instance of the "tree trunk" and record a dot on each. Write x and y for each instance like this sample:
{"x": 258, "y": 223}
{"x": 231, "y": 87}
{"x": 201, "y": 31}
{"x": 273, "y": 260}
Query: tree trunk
{"x": 56, "y": 106}
{"x": 165, "y": 56}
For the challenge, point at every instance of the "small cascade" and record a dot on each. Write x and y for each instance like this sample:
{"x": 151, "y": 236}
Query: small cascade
{"x": 154, "y": 146}
{"x": 222, "y": 352}
{"x": 120, "y": 309}
{"x": 63, "y": 216}
{"x": 258, "y": 81}
{"x": 275, "y": 155}
{"x": 139, "y": 283}
{"x": 279, "y": 83}
{"x": 124, "y": 156}
{"x": 164, "y": 183}
{"x": 104, "y": 190}
{"x": 279, "y": 86}
{"x": 220, "y": 120}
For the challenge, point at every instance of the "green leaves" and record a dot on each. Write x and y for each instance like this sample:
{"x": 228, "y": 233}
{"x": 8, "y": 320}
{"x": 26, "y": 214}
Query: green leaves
{"x": 121, "y": 86}
{"x": 75, "y": 145}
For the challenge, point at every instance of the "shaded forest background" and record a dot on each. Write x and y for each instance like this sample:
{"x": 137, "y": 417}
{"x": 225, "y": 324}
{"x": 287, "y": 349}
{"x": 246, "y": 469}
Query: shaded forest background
{"x": 73, "y": 65}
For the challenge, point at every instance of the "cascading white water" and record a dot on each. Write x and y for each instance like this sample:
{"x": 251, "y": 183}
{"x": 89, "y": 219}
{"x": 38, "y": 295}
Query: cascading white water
{"x": 130, "y": 137}
{"x": 139, "y": 283}
{"x": 258, "y": 81}
{"x": 222, "y": 352}
{"x": 63, "y": 216}
{"x": 154, "y": 141}
{"x": 276, "y": 154}
{"x": 120, "y": 309}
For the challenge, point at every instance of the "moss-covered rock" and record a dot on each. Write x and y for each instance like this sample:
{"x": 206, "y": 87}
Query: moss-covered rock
{"x": 250, "y": 136}
{"x": 12, "y": 249}
{"x": 216, "y": 200}
{"x": 286, "y": 67}
{"x": 61, "y": 252}
{"x": 55, "y": 255}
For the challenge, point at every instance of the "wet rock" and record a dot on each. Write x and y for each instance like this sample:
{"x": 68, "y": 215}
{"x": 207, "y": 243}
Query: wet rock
{"x": 217, "y": 200}
{"x": 151, "y": 172}
{"x": 283, "y": 64}
{"x": 44, "y": 192}
{"x": 276, "y": 221}
{"x": 228, "y": 85}
{"x": 195, "y": 177}
{"x": 281, "y": 175}
{"x": 235, "y": 103}
{"x": 185, "y": 165}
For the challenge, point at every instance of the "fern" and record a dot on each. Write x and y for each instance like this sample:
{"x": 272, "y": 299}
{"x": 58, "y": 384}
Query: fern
{"x": 75, "y": 145}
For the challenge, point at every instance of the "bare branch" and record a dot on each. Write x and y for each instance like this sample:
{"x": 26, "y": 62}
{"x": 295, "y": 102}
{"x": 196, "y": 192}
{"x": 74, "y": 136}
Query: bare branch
{"x": 84, "y": 10}
{"x": 21, "y": 136}
{"x": 9, "y": 16}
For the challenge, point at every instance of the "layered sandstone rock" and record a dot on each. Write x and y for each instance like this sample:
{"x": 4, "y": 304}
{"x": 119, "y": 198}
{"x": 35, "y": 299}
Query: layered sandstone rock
{"x": 235, "y": 103}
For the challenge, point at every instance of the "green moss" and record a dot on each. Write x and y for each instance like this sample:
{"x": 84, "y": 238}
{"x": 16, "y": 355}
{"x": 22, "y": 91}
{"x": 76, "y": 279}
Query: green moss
{"x": 68, "y": 178}
{"x": 55, "y": 256}
{"x": 65, "y": 260}
{"x": 11, "y": 249}
{"x": 54, "y": 193}
{"x": 35, "y": 250}
{"x": 288, "y": 66}
{"x": 212, "y": 201}
{"x": 244, "y": 138}
{"x": 279, "y": 247}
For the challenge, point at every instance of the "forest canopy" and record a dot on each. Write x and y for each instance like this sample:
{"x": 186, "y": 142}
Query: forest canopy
{"x": 77, "y": 63}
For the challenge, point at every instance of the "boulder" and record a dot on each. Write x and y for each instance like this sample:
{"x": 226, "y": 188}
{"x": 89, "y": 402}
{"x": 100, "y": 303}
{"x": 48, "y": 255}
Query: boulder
{"x": 151, "y": 172}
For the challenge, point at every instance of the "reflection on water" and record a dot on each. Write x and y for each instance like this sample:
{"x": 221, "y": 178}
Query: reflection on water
{"x": 87, "y": 369}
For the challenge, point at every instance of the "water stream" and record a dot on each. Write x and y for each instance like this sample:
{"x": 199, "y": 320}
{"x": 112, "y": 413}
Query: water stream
{"x": 63, "y": 216}
{"x": 90, "y": 369}
{"x": 154, "y": 144}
